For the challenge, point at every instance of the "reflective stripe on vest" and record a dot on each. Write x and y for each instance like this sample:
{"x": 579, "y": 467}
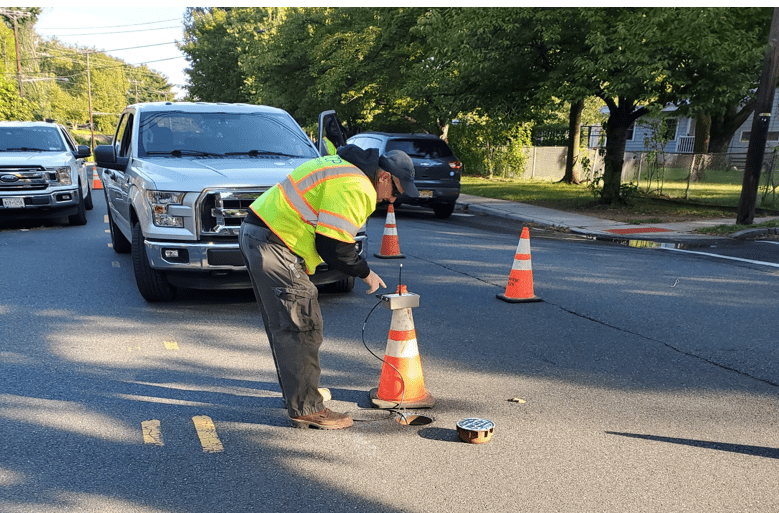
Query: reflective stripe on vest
{"x": 327, "y": 195}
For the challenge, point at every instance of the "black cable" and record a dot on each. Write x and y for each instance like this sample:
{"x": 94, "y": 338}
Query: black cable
{"x": 402, "y": 381}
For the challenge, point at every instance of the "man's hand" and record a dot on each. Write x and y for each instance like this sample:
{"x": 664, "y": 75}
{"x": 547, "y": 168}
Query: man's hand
{"x": 374, "y": 282}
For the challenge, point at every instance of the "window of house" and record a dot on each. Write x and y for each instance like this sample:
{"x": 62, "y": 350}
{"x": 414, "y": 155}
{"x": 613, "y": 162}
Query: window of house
{"x": 669, "y": 128}
{"x": 770, "y": 136}
{"x": 631, "y": 131}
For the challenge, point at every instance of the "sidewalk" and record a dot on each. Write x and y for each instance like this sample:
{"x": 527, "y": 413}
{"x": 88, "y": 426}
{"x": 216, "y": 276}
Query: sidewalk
{"x": 604, "y": 229}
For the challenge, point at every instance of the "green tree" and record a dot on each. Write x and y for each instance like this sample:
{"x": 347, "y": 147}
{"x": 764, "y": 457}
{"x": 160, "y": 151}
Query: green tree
{"x": 213, "y": 49}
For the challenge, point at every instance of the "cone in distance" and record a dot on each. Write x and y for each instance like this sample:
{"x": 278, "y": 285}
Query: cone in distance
{"x": 520, "y": 285}
{"x": 390, "y": 246}
{"x": 96, "y": 183}
{"x": 402, "y": 384}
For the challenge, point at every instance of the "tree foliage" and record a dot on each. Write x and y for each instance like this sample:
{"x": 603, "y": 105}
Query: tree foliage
{"x": 57, "y": 80}
{"x": 415, "y": 69}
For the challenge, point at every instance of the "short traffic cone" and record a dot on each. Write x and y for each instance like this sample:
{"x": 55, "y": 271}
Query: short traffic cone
{"x": 390, "y": 247}
{"x": 520, "y": 285}
{"x": 402, "y": 384}
{"x": 96, "y": 183}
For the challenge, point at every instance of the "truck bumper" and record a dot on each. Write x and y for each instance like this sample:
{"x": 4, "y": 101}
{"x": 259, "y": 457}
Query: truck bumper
{"x": 62, "y": 202}
{"x": 217, "y": 266}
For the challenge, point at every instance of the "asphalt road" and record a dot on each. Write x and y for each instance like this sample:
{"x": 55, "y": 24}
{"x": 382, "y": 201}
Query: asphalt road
{"x": 646, "y": 380}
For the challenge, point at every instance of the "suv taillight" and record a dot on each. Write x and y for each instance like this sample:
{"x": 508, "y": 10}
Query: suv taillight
{"x": 456, "y": 164}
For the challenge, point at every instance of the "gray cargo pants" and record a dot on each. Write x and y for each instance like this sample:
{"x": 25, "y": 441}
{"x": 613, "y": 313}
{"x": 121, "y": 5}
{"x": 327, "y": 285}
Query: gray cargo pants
{"x": 290, "y": 311}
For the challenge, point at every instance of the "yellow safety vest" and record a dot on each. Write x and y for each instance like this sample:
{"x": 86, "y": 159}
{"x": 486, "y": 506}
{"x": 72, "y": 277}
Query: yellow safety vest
{"x": 331, "y": 149}
{"x": 327, "y": 195}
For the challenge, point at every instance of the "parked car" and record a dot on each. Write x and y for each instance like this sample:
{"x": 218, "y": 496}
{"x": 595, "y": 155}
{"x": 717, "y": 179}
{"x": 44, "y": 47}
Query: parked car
{"x": 437, "y": 169}
{"x": 42, "y": 172}
{"x": 178, "y": 179}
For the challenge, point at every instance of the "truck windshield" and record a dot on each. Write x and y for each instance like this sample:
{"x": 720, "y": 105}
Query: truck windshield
{"x": 208, "y": 134}
{"x": 30, "y": 138}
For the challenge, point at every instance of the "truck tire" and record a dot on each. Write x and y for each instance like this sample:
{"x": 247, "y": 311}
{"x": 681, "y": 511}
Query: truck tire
{"x": 152, "y": 284}
{"x": 80, "y": 217}
{"x": 88, "y": 203}
{"x": 118, "y": 241}
{"x": 340, "y": 286}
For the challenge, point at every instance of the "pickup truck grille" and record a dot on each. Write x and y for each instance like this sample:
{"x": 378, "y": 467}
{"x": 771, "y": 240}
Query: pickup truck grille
{"x": 221, "y": 212}
{"x": 24, "y": 178}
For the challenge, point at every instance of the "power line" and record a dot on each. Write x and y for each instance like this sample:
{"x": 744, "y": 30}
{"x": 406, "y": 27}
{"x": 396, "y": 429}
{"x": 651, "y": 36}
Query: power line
{"x": 116, "y": 26}
{"x": 117, "y": 32}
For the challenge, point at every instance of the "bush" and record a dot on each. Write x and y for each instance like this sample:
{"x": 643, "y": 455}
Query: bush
{"x": 490, "y": 147}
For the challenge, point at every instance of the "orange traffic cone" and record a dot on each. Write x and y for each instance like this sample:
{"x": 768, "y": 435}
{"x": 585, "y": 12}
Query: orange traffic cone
{"x": 96, "y": 183}
{"x": 520, "y": 285}
{"x": 402, "y": 384}
{"x": 390, "y": 247}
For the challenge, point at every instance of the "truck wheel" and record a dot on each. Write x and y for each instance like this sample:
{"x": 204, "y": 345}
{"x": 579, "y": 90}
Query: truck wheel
{"x": 340, "y": 286}
{"x": 80, "y": 217}
{"x": 443, "y": 210}
{"x": 152, "y": 284}
{"x": 118, "y": 241}
{"x": 88, "y": 203}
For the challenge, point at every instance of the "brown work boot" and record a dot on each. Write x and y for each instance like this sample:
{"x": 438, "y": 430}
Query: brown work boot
{"x": 325, "y": 419}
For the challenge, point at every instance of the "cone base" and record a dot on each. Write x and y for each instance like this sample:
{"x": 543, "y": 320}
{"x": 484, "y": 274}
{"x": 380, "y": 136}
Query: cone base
{"x": 377, "y": 255}
{"x": 534, "y": 299}
{"x": 428, "y": 401}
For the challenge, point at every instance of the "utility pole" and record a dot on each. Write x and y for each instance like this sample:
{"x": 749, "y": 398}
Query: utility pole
{"x": 89, "y": 101}
{"x": 760, "y": 123}
{"x": 15, "y": 15}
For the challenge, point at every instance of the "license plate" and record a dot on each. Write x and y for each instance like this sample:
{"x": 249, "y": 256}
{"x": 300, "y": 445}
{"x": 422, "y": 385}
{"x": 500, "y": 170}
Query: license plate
{"x": 13, "y": 202}
{"x": 425, "y": 194}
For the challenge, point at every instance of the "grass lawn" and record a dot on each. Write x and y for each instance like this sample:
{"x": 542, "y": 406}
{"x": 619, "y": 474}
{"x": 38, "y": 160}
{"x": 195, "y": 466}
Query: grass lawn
{"x": 711, "y": 200}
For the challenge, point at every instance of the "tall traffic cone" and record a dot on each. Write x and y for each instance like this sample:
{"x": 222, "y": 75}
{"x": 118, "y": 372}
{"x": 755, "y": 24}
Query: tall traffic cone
{"x": 402, "y": 384}
{"x": 96, "y": 183}
{"x": 520, "y": 285}
{"x": 390, "y": 246}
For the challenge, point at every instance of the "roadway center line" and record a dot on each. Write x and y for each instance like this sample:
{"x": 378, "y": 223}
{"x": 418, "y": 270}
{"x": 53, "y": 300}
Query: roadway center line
{"x": 206, "y": 431}
{"x": 758, "y": 262}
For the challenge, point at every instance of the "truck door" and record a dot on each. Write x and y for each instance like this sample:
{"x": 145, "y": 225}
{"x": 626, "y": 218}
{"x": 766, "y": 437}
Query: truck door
{"x": 118, "y": 182}
{"x": 331, "y": 134}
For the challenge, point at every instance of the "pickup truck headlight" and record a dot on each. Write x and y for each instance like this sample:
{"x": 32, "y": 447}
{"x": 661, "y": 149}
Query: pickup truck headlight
{"x": 159, "y": 201}
{"x": 63, "y": 174}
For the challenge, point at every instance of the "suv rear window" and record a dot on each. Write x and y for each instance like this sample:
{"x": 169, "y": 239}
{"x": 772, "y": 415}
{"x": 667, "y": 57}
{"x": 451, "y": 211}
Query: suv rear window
{"x": 421, "y": 148}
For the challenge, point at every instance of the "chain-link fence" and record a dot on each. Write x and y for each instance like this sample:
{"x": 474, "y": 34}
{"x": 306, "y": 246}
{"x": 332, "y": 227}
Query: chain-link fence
{"x": 678, "y": 175}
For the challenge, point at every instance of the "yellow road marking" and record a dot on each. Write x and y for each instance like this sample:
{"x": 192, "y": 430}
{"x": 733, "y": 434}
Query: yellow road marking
{"x": 206, "y": 431}
{"x": 171, "y": 346}
{"x": 152, "y": 435}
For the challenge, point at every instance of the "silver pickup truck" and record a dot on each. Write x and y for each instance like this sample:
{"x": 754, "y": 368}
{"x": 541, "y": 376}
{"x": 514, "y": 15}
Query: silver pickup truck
{"x": 178, "y": 179}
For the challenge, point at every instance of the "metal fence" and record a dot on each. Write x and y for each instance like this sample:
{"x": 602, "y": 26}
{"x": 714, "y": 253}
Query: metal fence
{"x": 678, "y": 174}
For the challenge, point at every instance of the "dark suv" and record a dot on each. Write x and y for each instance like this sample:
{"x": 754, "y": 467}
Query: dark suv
{"x": 437, "y": 169}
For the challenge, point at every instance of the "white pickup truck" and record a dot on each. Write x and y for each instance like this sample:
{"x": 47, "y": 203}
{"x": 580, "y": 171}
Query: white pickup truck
{"x": 42, "y": 172}
{"x": 178, "y": 179}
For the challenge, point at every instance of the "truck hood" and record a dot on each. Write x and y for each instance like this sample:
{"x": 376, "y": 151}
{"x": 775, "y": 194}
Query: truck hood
{"x": 198, "y": 173}
{"x": 35, "y": 158}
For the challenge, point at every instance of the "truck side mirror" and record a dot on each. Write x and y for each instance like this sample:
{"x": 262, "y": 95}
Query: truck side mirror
{"x": 105, "y": 156}
{"x": 83, "y": 152}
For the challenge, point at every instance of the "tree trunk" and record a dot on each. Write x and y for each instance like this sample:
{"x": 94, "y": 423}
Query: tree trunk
{"x": 702, "y": 133}
{"x": 724, "y": 126}
{"x": 617, "y": 126}
{"x": 574, "y": 140}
